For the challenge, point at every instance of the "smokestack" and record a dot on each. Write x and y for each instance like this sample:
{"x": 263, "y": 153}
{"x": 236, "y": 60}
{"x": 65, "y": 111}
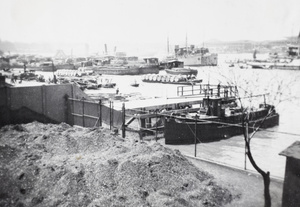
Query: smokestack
{"x": 105, "y": 47}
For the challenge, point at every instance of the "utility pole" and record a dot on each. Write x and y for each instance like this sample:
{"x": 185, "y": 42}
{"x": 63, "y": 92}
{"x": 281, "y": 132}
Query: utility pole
{"x": 246, "y": 151}
{"x": 196, "y": 135}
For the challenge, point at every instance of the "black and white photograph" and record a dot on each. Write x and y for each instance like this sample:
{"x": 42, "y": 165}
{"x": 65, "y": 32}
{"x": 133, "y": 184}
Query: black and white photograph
{"x": 149, "y": 103}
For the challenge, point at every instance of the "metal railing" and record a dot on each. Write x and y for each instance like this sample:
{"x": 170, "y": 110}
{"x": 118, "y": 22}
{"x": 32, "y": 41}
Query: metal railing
{"x": 208, "y": 90}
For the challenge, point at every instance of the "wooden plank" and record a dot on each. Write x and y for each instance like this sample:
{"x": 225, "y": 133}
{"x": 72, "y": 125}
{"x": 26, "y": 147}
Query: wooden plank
{"x": 80, "y": 100}
{"x": 130, "y": 120}
{"x": 85, "y": 115}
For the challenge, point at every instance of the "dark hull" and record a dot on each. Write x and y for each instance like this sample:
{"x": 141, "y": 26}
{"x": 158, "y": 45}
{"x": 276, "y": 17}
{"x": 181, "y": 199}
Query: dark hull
{"x": 286, "y": 67}
{"x": 65, "y": 66}
{"x": 43, "y": 68}
{"x": 125, "y": 70}
{"x": 182, "y": 71}
{"x": 207, "y": 131}
{"x": 193, "y": 82}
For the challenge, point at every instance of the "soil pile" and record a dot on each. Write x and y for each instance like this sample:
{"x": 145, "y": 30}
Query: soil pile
{"x": 60, "y": 165}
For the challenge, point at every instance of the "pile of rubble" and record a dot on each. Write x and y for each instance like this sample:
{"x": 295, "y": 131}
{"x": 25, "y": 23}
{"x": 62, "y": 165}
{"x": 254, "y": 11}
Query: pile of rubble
{"x": 60, "y": 165}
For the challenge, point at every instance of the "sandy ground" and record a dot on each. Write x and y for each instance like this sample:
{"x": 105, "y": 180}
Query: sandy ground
{"x": 248, "y": 184}
{"x": 60, "y": 165}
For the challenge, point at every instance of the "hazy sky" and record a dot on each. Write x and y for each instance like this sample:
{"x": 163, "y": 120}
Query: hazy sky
{"x": 147, "y": 21}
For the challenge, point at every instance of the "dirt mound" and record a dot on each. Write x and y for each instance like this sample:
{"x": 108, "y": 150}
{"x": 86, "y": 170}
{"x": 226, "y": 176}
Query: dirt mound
{"x": 60, "y": 165}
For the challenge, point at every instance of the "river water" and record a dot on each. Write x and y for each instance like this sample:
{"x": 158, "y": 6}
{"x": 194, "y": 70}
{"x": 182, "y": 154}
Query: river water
{"x": 283, "y": 87}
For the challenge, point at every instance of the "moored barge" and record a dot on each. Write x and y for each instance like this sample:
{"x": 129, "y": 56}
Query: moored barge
{"x": 218, "y": 118}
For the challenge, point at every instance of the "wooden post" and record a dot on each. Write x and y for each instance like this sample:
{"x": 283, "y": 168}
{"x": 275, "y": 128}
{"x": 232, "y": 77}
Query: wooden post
{"x": 156, "y": 125}
{"x": 67, "y": 109}
{"x": 123, "y": 120}
{"x": 110, "y": 115}
{"x": 100, "y": 114}
{"x": 200, "y": 89}
{"x": 192, "y": 90}
{"x": 83, "y": 122}
{"x": 195, "y": 135}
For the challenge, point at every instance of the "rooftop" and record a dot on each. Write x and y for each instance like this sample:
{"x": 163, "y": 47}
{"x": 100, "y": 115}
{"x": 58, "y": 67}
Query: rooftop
{"x": 292, "y": 151}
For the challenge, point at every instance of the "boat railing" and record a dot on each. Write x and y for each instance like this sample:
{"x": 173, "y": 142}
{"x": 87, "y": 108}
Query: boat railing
{"x": 208, "y": 90}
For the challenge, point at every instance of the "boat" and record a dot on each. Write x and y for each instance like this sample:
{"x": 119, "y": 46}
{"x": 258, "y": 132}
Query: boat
{"x": 171, "y": 79}
{"x": 219, "y": 117}
{"x": 46, "y": 66}
{"x": 193, "y": 56}
{"x": 81, "y": 71}
{"x": 176, "y": 67}
{"x": 106, "y": 83}
{"x": 123, "y": 67}
{"x": 288, "y": 61}
{"x": 165, "y": 63}
{"x": 182, "y": 71}
{"x": 135, "y": 84}
{"x": 69, "y": 66}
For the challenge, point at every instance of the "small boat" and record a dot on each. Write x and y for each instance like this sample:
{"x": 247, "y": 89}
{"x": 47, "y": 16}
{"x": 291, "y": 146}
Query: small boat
{"x": 80, "y": 84}
{"x": 108, "y": 85}
{"x": 135, "y": 84}
{"x": 219, "y": 117}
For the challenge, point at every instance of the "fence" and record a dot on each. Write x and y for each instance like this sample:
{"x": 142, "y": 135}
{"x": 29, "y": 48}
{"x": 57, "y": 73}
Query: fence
{"x": 91, "y": 114}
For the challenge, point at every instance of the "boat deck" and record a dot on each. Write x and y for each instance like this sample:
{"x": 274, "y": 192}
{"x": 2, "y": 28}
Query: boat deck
{"x": 158, "y": 103}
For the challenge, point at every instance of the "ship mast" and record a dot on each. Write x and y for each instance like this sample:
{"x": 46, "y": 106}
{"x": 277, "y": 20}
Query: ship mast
{"x": 186, "y": 43}
{"x": 168, "y": 44}
{"x": 298, "y": 44}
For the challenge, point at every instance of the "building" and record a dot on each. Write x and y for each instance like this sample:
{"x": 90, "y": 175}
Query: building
{"x": 291, "y": 185}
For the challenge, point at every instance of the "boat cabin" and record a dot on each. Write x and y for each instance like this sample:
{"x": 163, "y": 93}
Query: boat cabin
{"x": 293, "y": 50}
{"x": 190, "y": 50}
{"x": 220, "y": 107}
{"x": 151, "y": 61}
{"x": 174, "y": 64}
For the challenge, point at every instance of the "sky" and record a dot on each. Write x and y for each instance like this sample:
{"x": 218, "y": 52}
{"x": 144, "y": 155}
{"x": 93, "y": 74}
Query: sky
{"x": 136, "y": 22}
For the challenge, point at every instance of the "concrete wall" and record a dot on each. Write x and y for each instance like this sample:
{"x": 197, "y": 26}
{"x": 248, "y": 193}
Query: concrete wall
{"x": 48, "y": 103}
{"x": 47, "y": 100}
{"x": 291, "y": 186}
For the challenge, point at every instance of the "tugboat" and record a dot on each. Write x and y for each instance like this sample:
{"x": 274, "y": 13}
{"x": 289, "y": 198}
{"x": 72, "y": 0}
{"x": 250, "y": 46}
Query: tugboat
{"x": 219, "y": 117}
{"x": 175, "y": 67}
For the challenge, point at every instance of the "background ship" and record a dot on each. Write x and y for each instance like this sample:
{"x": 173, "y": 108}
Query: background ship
{"x": 193, "y": 56}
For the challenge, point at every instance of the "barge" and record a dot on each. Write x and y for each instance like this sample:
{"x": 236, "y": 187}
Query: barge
{"x": 171, "y": 79}
{"x": 218, "y": 118}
